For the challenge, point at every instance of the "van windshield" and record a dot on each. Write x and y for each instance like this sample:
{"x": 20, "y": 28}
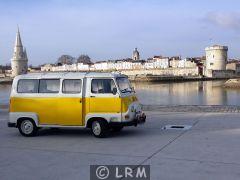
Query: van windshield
{"x": 124, "y": 85}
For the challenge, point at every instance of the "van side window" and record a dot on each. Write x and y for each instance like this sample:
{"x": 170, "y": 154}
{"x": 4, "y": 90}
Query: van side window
{"x": 72, "y": 86}
{"x": 102, "y": 86}
{"x": 27, "y": 86}
{"x": 49, "y": 86}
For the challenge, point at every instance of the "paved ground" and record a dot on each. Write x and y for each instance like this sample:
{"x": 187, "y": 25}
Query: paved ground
{"x": 209, "y": 150}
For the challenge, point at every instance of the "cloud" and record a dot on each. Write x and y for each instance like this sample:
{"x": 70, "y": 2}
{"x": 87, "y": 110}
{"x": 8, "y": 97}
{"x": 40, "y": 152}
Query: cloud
{"x": 224, "y": 20}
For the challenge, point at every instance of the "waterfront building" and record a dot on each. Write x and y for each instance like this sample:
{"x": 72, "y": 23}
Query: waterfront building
{"x": 182, "y": 63}
{"x": 125, "y": 64}
{"x": 120, "y": 65}
{"x": 174, "y": 61}
{"x": 216, "y": 57}
{"x": 47, "y": 67}
{"x": 157, "y": 62}
{"x": 234, "y": 65}
{"x": 186, "y": 63}
{"x": 216, "y": 60}
{"x": 83, "y": 67}
{"x": 136, "y": 55}
{"x": 101, "y": 65}
{"x": 19, "y": 62}
{"x": 157, "y": 65}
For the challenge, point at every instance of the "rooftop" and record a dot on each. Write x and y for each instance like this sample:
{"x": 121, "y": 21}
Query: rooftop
{"x": 215, "y": 47}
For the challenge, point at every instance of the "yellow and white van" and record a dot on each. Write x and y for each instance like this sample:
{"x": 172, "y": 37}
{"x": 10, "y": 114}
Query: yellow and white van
{"x": 100, "y": 101}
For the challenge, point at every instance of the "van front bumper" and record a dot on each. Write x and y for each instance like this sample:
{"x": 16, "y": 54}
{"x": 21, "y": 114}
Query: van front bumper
{"x": 139, "y": 119}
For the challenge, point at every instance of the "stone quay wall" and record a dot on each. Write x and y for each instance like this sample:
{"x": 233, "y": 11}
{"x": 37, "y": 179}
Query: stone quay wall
{"x": 193, "y": 71}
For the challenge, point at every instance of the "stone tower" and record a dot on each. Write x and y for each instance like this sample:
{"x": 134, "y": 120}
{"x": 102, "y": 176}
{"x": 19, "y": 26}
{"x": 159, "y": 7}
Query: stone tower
{"x": 136, "y": 55}
{"x": 19, "y": 62}
{"x": 216, "y": 57}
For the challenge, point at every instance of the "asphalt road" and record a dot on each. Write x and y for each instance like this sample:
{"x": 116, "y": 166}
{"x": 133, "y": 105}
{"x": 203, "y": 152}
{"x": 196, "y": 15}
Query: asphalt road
{"x": 209, "y": 150}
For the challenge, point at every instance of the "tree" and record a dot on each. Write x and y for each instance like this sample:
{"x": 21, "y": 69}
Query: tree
{"x": 85, "y": 59}
{"x": 65, "y": 59}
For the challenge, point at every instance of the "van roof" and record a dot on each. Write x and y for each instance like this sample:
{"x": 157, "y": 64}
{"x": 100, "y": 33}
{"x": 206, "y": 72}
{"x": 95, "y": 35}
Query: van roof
{"x": 71, "y": 75}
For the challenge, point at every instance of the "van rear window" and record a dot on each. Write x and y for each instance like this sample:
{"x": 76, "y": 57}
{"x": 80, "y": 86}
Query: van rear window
{"x": 49, "y": 86}
{"x": 27, "y": 86}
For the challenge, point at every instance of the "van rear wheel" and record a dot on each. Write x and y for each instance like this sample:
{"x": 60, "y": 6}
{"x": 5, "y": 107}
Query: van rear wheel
{"x": 27, "y": 128}
{"x": 100, "y": 128}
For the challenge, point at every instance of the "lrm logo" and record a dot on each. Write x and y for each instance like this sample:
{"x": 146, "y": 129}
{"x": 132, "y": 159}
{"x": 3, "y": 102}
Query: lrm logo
{"x": 117, "y": 172}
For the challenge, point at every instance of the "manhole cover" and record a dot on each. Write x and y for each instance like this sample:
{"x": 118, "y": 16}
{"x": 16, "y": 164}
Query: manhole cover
{"x": 177, "y": 127}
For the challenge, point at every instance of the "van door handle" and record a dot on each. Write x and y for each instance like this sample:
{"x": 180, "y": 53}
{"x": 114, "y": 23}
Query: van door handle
{"x": 92, "y": 96}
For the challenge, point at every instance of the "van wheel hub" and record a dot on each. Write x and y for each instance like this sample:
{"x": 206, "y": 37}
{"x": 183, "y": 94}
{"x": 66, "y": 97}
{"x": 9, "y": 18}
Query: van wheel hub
{"x": 27, "y": 127}
{"x": 96, "y": 128}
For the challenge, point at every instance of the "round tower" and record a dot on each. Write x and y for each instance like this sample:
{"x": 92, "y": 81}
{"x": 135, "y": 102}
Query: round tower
{"x": 19, "y": 61}
{"x": 216, "y": 57}
{"x": 136, "y": 55}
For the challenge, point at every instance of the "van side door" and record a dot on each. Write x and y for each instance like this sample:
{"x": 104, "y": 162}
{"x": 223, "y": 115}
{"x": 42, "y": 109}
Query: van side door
{"x": 70, "y": 103}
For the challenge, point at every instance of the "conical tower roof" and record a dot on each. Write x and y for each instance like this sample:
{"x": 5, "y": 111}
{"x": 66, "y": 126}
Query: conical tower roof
{"x": 18, "y": 41}
{"x": 25, "y": 53}
{"x": 18, "y": 53}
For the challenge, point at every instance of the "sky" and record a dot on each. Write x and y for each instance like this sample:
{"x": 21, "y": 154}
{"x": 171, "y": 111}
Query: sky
{"x": 111, "y": 29}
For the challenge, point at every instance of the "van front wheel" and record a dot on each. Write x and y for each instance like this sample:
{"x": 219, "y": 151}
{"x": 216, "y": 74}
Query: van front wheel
{"x": 27, "y": 128}
{"x": 100, "y": 128}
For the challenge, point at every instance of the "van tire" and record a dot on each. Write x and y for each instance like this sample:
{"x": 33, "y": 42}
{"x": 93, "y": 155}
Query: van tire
{"x": 27, "y": 127}
{"x": 100, "y": 128}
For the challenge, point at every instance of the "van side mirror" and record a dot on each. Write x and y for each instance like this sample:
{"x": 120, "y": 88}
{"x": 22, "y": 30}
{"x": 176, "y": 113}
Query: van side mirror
{"x": 114, "y": 91}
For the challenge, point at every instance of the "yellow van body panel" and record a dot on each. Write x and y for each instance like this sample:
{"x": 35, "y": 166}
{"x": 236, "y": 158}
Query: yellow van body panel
{"x": 69, "y": 111}
{"x": 51, "y": 110}
{"x": 104, "y": 104}
{"x": 109, "y": 105}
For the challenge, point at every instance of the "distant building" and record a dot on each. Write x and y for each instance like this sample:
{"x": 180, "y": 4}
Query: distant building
{"x": 234, "y": 65}
{"x": 186, "y": 63}
{"x": 175, "y": 58}
{"x": 1, "y": 70}
{"x": 157, "y": 65}
{"x": 136, "y": 55}
{"x": 216, "y": 60}
{"x": 34, "y": 69}
{"x": 177, "y": 62}
{"x": 216, "y": 57}
{"x": 19, "y": 62}
{"x": 47, "y": 67}
{"x": 157, "y": 62}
